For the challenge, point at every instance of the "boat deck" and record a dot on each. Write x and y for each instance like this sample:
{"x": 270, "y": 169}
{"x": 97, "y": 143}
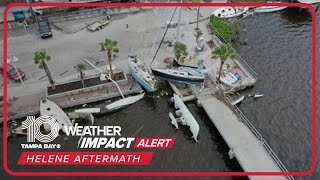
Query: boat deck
{"x": 243, "y": 144}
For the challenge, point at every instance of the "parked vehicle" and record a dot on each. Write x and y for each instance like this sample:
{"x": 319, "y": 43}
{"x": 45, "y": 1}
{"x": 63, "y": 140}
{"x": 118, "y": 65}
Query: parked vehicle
{"x": 44, "y": 28}
{"x": 12, "y": 73}
{"x": 99, "y": 24}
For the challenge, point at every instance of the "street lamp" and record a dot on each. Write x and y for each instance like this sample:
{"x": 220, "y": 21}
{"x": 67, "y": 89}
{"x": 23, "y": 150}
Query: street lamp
{"x": 15, "y": 59}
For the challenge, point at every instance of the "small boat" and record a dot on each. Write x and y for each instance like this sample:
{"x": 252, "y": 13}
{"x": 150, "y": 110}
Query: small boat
{"x": 178, "y": 75}
{"x": 230, "y": 12}
{"x": 141, "y": 74}
{"x": 257, "y": 95}
{"x": 263, "y": 9}
{"x": 49, "y": 108}
{"x": 229, "y": 79}
{"x": 124, "y": 102}
{"x": 237, "y": 101}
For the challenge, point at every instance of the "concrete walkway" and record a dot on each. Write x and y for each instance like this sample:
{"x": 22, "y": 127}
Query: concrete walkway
{"x": 244, "y": 145}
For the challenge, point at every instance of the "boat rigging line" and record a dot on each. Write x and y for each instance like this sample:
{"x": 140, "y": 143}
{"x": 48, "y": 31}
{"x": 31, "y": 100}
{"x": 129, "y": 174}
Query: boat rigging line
{"x": 163, "y": 13}
{"x": 163, "y": 36}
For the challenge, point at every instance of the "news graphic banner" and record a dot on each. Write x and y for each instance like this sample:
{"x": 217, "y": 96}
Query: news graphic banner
{"x": 90, "y": 137}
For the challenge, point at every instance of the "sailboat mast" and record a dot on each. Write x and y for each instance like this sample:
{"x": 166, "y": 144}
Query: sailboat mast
{"x": 178, "y": 25}
{"x": 163, "y": 36}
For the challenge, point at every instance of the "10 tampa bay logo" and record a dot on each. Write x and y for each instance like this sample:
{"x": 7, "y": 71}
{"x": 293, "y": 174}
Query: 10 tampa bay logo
{"x": 33, "y": 126}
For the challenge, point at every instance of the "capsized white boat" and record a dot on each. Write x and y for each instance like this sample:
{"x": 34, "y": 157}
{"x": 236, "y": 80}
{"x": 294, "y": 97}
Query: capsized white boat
{"x": 257, "y": 95}
{"x": 50, "y": 108}
{"x": 237, "y": 100}
{"x": 230, "y": 12}
{"x": 186, "y": 118}
{"x": 124, "y": 102}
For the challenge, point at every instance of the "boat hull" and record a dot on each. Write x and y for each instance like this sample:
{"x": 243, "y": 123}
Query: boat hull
{"x": 180, "y": 79}
{"x": 271, "y": 9}
{"x": 143, "y": 83}
{"x": 229, "y": 12}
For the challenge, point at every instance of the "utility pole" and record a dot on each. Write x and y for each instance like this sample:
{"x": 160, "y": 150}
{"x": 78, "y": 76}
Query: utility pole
{"x": 178, "y": 25}
{"x": 198, "y": 18}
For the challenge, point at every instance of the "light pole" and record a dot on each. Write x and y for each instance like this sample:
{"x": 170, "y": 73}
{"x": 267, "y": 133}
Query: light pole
{"x": 15, "y": 59}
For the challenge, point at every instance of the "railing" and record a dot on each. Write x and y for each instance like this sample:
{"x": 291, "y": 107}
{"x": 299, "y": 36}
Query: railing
{"x": 262, "y": 141}
{"x": 246, "y": 120}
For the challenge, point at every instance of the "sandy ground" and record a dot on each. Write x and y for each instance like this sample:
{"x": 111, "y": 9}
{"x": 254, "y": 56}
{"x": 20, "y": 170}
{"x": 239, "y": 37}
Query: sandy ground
{"x": 143, "y": 36}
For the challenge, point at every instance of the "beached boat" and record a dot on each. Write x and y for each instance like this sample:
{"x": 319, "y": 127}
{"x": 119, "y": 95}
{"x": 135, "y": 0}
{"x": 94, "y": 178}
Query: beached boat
{"x": 230, "y": 12}
{"x": 269, "y": 8}
{"x": 229, "y": 79}
{"x": 238, "y": 100}
{"x": 178, "y": 75}
{"x": 141, "y": 74}
{"x": 49, "y": 108}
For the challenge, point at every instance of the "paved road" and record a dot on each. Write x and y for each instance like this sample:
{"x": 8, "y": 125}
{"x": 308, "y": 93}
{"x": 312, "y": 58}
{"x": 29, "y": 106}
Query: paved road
{"x": 67, "y": 50}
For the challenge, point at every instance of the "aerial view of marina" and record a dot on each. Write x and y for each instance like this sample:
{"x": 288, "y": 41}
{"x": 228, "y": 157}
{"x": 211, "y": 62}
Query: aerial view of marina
{"x": 213, "y": 88}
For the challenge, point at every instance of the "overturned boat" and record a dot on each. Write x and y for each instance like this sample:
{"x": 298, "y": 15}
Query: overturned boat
{"x": 124, "y": 102}
{"x": 230, "y": 12}
{"x": 141, "y": 74}
{"x": 50, "y": 108}
{"x": 186, "y": 118}
{"x": 178, "y": 75}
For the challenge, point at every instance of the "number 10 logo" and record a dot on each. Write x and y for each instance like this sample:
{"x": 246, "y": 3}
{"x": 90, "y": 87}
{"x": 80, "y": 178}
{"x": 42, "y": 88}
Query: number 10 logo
{"x": 33, "y": 128}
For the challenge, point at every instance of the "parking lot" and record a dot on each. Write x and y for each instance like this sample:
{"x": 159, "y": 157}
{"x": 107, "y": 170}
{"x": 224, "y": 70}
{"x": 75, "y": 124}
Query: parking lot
{"x": 135, "y": 32}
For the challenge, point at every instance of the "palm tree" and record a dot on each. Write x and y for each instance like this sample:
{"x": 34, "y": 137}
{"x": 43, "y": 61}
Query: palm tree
{"x": 111, "y": 47}
{"x": 80, "y": 68}
{"x": 41, "y": 58}
{"x": 224, "y": 52}
{"x": 180, "y": 49}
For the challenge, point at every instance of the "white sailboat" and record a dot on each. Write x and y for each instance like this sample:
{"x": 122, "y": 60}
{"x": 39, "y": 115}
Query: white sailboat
{"x": 141, "y": 74}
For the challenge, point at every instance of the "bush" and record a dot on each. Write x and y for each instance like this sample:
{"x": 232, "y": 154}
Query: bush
{"x": 221, "y": 27}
